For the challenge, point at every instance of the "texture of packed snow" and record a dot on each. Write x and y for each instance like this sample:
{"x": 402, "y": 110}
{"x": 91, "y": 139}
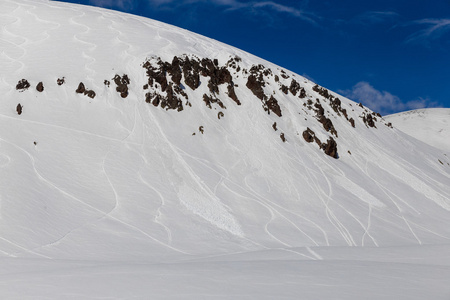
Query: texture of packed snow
{"x": 115, "y": 198}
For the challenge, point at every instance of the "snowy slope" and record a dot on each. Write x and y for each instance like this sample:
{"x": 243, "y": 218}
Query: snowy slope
{"x": 122, "y": 196}
{"x": 431, "y": 126}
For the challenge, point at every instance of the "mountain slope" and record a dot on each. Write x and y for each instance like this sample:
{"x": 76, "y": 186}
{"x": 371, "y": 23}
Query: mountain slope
{"x": 431, "y": 126}
{"x": 177, "y": 148}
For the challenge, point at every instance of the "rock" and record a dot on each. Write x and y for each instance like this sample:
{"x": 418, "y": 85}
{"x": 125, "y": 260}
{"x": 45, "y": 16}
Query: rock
{"x": 40, "y": 87}
{"x": 122, "y": 83}
{"x": 274, "y": 126}
{"x": 308, "y": 135}
{"x": 22, "y": 85}
{"x": 19, "y": 109}
{"x": 330, "y": 148}
{"x": 272, "y": 104}
{"x": 81, "y": 88}
{"x": 232, "y": 93}
{"x": 294, "y": 87}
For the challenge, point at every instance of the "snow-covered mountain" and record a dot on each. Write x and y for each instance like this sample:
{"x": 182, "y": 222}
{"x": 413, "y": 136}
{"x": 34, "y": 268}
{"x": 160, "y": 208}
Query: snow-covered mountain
{"x": 431, "y": 126}
{"x": 141, "y": 160}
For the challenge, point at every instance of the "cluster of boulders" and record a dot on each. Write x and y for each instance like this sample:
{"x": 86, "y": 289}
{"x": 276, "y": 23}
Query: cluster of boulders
{"x": 169, "y": 79}
{"x": 330, "y": 147}
{"x": 83, "y": 90}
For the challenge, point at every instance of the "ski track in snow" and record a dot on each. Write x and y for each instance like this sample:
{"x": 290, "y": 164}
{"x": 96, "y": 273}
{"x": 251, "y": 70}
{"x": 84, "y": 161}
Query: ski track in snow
{"x": 159, "y": 214}
{"x": 16, "y": 45}
{"x": 361, "y": 191}
{"x": 67, "y": 128}
{"x": 262, "y": 201}
{"x": 103, "y": 214}
{"x": 91, "y": 46}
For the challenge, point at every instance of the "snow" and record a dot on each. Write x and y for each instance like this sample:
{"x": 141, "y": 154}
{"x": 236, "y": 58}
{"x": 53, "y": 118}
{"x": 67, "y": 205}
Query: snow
{"x": 115, "y": 198}
{"x": 431, "y": 126}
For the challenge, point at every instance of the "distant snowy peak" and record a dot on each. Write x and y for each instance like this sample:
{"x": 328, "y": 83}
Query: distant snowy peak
{"x": 431, "y": 126}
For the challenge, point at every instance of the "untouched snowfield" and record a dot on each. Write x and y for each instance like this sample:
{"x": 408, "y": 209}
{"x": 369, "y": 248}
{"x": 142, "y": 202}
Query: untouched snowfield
{"x": 116, "y": 198}
{"x": 431, "y": 126}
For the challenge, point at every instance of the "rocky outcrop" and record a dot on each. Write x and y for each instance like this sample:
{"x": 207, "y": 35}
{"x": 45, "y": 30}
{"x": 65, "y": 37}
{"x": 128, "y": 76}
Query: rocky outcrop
{"x": 169, "y": 84}
{"x": 22, "y": 85}
{"x": 329, "y": 148}
{"x": 122, "y": 83}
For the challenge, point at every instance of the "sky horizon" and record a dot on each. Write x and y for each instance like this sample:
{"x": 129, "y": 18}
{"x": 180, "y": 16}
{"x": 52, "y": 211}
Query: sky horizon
{"x": 392, "y": 56}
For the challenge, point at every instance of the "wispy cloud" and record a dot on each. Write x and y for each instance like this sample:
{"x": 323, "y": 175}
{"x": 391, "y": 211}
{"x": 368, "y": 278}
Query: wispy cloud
{"x": 230, "y": 5}
{"x": 376, "y": 17}
{"x": 383, "y": 101}
{"x": 434, "y": 29}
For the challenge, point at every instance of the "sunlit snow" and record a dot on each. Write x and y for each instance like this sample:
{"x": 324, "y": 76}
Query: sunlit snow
{"x": 115, "y": 198}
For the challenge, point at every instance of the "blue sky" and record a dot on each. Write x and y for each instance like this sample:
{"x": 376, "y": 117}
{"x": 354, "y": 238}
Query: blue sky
{"x": 390, "y": 55}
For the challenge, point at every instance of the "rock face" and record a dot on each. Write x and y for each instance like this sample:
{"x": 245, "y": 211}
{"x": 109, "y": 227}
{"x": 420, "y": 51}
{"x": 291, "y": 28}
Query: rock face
{"x": 169, "y": 84}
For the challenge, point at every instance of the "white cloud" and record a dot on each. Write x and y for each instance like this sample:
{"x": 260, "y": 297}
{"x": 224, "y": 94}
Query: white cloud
{"x": 383, "y": 101}
{"x": 434, "y": 28}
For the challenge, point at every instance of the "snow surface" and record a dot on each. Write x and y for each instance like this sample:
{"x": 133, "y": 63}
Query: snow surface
{"x": 431, "y": 126}
{"x": 115, "y": 198}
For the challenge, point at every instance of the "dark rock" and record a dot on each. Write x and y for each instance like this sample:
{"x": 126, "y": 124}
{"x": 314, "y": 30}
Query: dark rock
{"x": 308, "y": 135}
{"x": 107, "y": 83}
{"x": 81, "y": 88}
{"x": 294, "y": 87}
{"x": 284, "y": 89}
{"x": 61, "y": 81}
{"x": 90, "y": 94}
{"x": 330, "y": 148}
{"x": 220, "y": 115}
{"x": 274, "y": 126}
{"x": 22, "y": 85}
{"x": 122, "y": 83}
{"x": 256, "y": 86}
{"x": 19, "y": 109}
{"x": 272, "y": 104}
{"x": 282, "y": 137}
{"x": 232, "y": 93}
{"x": 368, "y": 120}
{"x": 352, "y": 122}
{"x": 284, "y": 75}
{"x": 208, "y": 100}
{"x": 302, "y": 93}
{"x": 40, "y": 87}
